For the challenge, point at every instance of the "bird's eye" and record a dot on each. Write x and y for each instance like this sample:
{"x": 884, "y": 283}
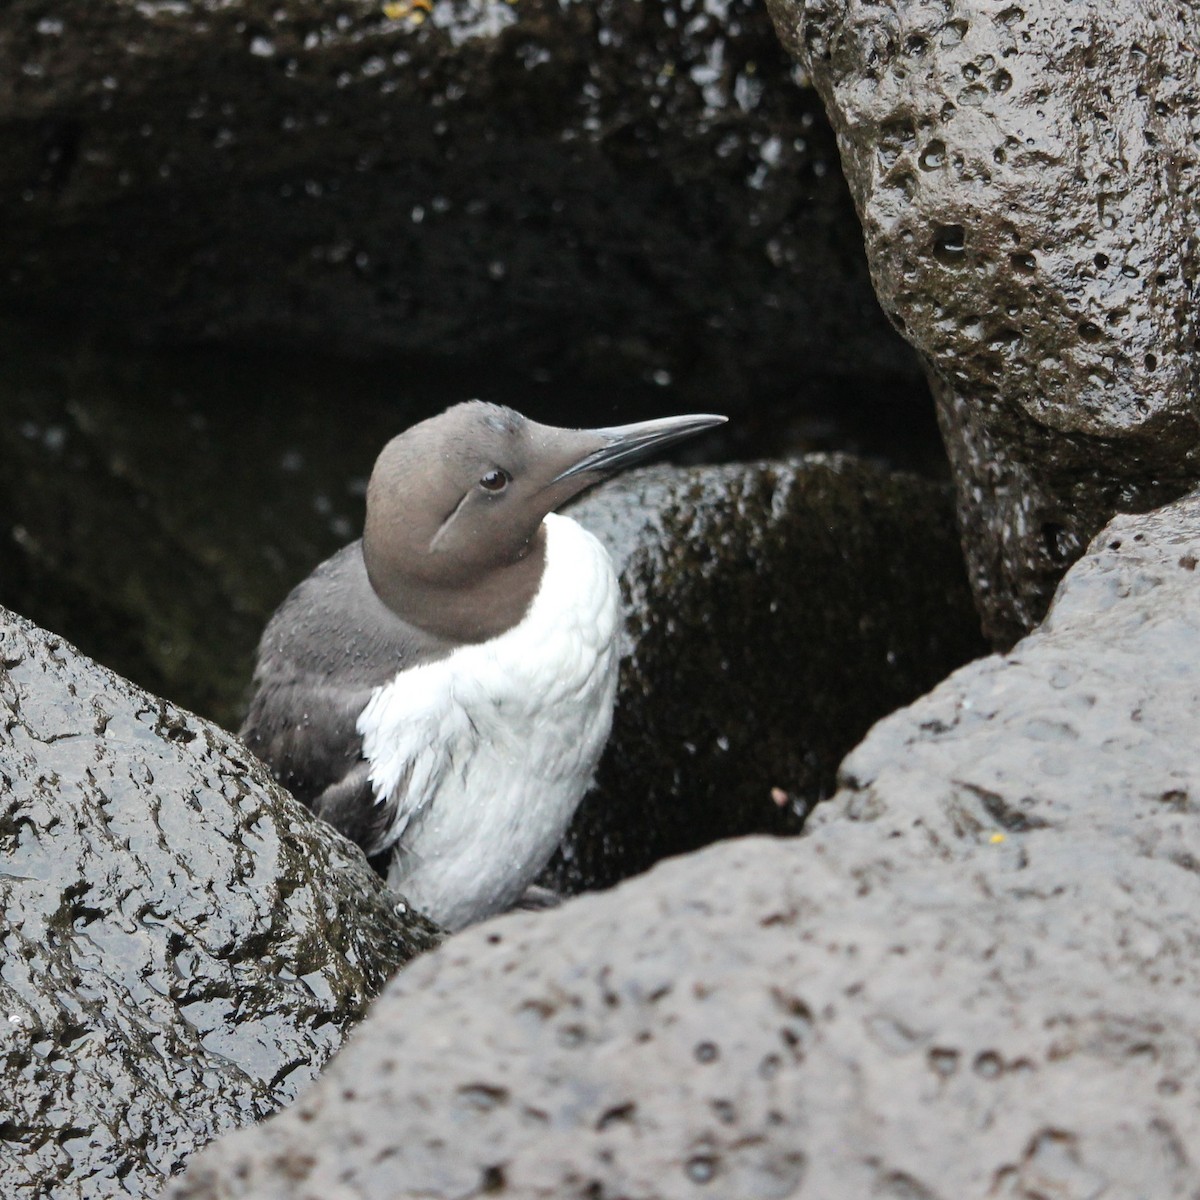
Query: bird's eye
{"x": 495, "y": 480}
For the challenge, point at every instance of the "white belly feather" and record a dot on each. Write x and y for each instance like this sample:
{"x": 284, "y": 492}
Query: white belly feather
{"x": 491, "y": 749}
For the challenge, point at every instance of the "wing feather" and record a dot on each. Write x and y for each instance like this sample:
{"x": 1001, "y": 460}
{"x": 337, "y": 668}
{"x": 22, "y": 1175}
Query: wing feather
{"x": 325, "y": 656}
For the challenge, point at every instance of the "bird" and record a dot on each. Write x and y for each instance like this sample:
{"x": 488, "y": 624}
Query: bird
{"x": 440, "y": 690}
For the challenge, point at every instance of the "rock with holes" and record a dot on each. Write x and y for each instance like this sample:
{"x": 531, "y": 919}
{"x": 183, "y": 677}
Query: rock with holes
{"x": 183, "y": 946}
{"x": 772, "y": 613}
{"x": 977, "y": 975}
{"x": 1027, "y": 177}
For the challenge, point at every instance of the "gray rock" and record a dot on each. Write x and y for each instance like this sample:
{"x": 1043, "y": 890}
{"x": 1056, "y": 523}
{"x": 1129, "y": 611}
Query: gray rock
{"x": 1026, "y": 176}
{"x": 605, "y": 191}
{"x": 183, "y": 946}
{"x": 773, "y": 612}
{"x": 978, "y": 975}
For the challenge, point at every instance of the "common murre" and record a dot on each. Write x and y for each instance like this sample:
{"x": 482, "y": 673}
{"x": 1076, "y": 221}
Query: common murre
{"x": 441, "y": 690}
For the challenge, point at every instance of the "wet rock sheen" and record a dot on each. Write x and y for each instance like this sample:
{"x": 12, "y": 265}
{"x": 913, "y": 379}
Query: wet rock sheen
{"x": 183, "y": 947}
{"x": 976, "y": 976}
{"x": 772, "y": 613}
{"x": 605, "y": 190}
{"x": 1027, "y": 177}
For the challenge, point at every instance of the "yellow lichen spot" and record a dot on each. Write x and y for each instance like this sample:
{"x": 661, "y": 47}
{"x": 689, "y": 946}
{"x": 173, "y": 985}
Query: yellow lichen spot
{"x": 414, "y": 10}
{"x": 996, "y": 839}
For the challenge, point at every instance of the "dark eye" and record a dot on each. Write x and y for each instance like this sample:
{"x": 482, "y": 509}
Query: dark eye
{"x": 495, "y": 481}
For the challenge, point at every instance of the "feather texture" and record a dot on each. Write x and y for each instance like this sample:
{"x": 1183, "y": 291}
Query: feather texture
{"x": 480, "y": 758}
{"x": 322, "y": 654}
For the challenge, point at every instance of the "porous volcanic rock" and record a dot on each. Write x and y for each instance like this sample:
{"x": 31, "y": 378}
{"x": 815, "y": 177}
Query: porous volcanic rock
{"x": 1027, "y": 177}
{"x": 610, "y": 191}
{"x": 183, "y": 946}
{"x": 976, "y": 975}
{"x": 772, "y": 613}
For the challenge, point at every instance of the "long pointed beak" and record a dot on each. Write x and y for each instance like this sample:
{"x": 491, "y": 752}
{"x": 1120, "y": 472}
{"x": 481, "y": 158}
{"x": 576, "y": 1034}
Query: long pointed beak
{"x": 623, "y": 445}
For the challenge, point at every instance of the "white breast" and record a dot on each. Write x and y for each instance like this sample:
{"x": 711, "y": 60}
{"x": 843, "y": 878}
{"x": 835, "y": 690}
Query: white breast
{"x": 489, "y": 751}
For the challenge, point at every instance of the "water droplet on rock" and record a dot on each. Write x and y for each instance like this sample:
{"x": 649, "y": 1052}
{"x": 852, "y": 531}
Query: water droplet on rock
{"x": 933, "y": 156}
{"x": 949, "y": 245}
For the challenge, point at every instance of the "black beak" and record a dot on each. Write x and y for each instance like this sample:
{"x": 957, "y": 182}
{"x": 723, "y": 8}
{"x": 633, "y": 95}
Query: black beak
{"x": 623, "y": 445}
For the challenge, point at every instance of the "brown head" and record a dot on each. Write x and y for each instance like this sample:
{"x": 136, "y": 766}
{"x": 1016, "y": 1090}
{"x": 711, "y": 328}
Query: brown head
{"x": 453, "y": 541}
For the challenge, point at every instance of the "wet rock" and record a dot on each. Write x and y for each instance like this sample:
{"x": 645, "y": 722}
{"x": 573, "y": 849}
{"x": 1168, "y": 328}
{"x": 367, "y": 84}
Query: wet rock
{"x": 975, "y": 975}
{"x": 773, "y": 612}
{"x": 605, "y": 191}
{"x": 183, "y": 946}
{"x": 1026, "y": 176}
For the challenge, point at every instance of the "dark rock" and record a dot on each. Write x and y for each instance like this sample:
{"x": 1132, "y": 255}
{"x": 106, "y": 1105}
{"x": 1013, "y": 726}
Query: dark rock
{"x": 183, "y": 946}
{"x": 598, "y": 190}
{"x": 155, "y": 509}
{"x": 977, "y": 975}
{"x": 1027, "y": 179}
{"x": 772, "y": 614}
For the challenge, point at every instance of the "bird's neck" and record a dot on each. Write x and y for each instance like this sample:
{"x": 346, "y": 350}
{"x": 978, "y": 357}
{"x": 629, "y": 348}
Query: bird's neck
{"x": 469, "y": 611}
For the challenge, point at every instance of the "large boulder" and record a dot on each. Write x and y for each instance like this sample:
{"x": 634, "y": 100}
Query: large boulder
{"x": 184, "y": 946}
{"x": 1027, "y": 177}
{"x": 772, "y": 613}
{"x": 977, "y": 975}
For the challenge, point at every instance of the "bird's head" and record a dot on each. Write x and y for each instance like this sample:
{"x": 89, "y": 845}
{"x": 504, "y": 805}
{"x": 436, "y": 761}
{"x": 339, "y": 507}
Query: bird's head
{"x": 453, "y": 540}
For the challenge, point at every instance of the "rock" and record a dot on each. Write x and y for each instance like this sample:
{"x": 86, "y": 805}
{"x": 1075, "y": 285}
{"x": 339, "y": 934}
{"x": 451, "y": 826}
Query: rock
{"x": 603, "y": 192}
{"x": 772, "y": 613}
{"x": 183, "y": 946}
{"x": 977, "y": 975}
{"x": 1026, "y": 177}
{"x": 157, "y": 508}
